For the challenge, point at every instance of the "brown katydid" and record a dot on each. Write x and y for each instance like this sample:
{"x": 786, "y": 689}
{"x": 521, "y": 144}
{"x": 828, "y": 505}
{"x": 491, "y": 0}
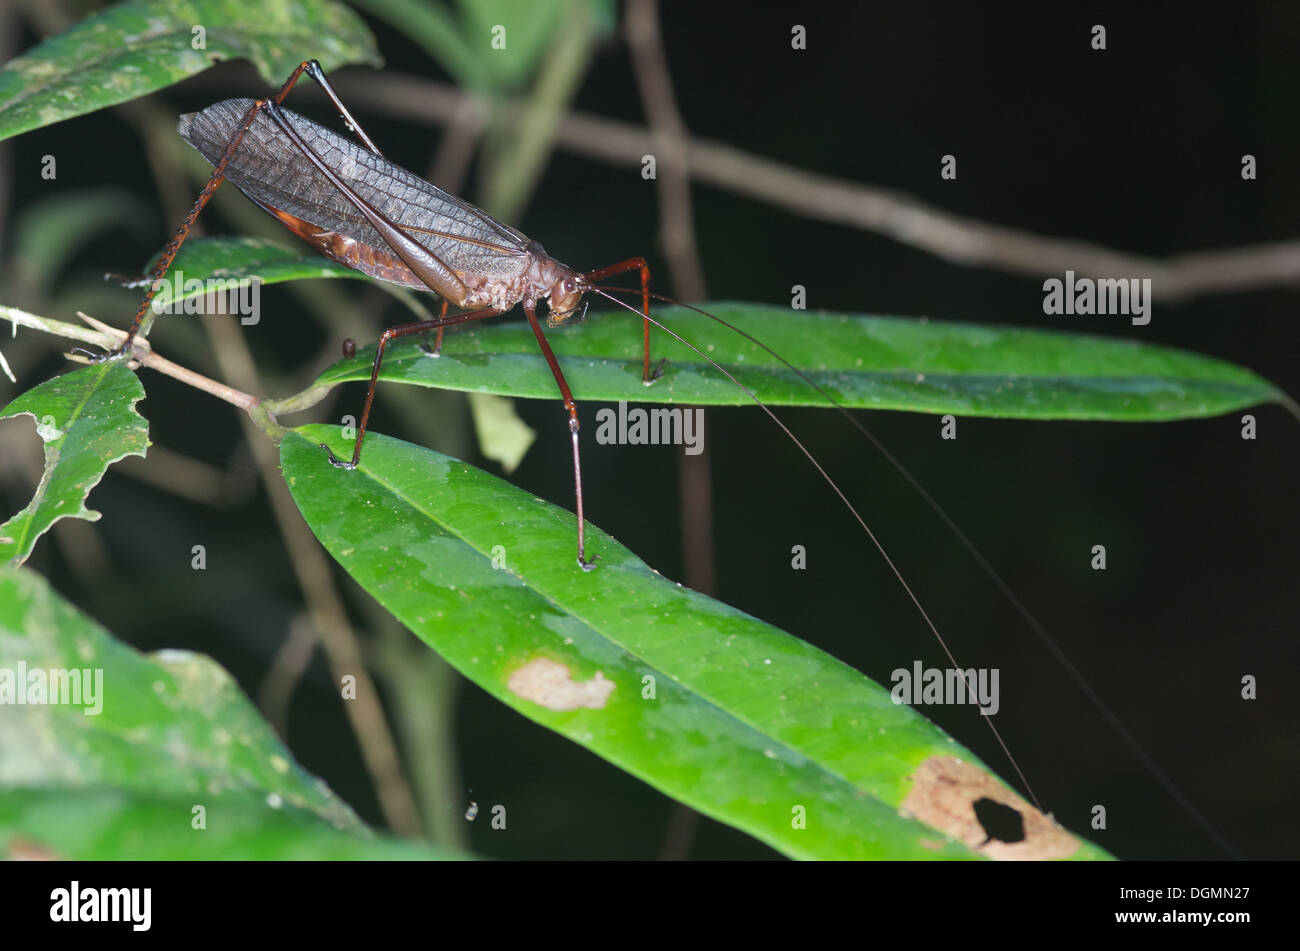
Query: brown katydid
{"x": 363, "y": 211}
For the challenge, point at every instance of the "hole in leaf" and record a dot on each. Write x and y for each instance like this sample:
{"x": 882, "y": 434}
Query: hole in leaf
{"x": 1000, "y": 821}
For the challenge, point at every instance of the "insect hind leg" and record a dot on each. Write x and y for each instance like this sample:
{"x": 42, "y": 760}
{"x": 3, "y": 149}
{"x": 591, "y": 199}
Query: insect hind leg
{"x": 313, "y": 69}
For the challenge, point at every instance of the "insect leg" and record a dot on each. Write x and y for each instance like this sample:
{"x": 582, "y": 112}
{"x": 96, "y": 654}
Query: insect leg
{"x": 392, "y": 333}
{"x": 436, "y": 349}
{"x": 174, "y": 245}
{"x": 313, "y": 69}
{"x": 572, "y": 409}
{"x": 634, "y": 264}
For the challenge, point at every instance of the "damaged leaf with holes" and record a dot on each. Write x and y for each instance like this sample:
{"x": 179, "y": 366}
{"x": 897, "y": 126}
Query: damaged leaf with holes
{"x": 713, "y": 707}
{"x": 88, "y": 421}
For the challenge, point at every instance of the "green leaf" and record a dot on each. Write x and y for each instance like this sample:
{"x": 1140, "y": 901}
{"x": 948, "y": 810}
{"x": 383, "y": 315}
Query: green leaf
{"x": 433, "y": 28}
{"x": 239, "y": 260}
{"x": 502, "y": 436}
{"x": 461, "y": 40}
{"x": 135, "y": 48}
{"x": 111, "y": 824}
{"x": 88, "y": 421}
{"x": 744, "y": 722}
{"x": 527, "y": 28}
{"x": 117, "y": 772}
{"x": 863, "y": 362}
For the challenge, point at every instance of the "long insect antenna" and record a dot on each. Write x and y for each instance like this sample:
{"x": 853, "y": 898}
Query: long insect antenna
{"x": 856, "y": 515}
{"x": 1033, "y": 623}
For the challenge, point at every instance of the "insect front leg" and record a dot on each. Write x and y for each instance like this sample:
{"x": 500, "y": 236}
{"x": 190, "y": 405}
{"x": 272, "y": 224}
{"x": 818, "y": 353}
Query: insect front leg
{"x": 635, "y": 264}
{"x": 436, "y": 349}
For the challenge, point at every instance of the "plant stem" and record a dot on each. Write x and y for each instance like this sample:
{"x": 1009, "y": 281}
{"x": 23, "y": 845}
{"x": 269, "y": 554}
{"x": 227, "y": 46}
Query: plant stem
{"x": 106, "y": 337}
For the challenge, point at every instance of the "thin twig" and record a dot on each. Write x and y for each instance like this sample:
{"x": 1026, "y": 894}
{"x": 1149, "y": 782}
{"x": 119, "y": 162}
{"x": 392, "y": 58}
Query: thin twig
{"x": 423, "y": 688}
{"x": 154, "y": 362}
{"x": 669, "y": 135}
{"x": 456, "y": 150}
{"x": 178, "y": 474}
{"x": 287, "y": 667}
{"x": 106, "y": 338}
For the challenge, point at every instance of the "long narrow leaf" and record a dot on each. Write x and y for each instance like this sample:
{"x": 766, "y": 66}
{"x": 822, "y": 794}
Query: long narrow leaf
{"x": 716, "y": 708}
{"x": 863, "y": 362}
{"x": 899, "y": 363}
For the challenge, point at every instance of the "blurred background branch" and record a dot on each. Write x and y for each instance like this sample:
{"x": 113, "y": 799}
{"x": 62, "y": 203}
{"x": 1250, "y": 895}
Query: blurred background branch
{"x": 677, "y": 241}
{"x": 955, "y": 238}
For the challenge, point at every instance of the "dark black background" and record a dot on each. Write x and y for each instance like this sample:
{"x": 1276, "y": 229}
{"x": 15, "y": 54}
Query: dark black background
{"x": 1137, "y": 147}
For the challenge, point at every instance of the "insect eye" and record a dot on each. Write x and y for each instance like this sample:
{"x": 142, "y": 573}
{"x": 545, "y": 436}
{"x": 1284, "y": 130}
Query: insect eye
{"x": 568, "y": 285}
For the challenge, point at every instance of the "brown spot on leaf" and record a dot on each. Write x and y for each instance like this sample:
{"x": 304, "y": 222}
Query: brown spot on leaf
{"x": 944, "y": 793}
{"x": 549, "y": 684}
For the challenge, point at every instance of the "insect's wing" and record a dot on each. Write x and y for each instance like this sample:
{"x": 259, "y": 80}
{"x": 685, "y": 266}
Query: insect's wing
{"x": 269, "y": 169}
